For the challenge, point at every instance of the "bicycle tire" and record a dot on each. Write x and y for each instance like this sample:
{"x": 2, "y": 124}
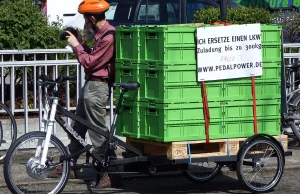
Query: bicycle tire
{"x": 26, "y": 137}
{"x": 203, "y": 179}
{"x": 295, "y": 129}
{"x": 13, "y": 129}
{"x": 280, "y": 167}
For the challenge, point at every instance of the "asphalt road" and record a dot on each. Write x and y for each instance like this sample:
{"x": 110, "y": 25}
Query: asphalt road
{"x": 224, "y": 183}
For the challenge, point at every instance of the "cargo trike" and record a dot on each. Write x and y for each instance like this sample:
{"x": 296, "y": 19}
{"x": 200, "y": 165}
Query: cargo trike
{"x": 251, "y": 157}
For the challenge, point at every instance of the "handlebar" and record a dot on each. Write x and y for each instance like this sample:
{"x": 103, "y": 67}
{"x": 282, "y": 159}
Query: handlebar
{"x": 46, "y": 80}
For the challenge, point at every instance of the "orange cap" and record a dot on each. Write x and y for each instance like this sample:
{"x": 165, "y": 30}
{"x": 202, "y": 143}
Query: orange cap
{"x": 93, "y": 6}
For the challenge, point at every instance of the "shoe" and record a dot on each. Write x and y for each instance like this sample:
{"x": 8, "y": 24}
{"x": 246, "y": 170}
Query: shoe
{"x": 108, "y": 181}
{"x": 57, "y": 173}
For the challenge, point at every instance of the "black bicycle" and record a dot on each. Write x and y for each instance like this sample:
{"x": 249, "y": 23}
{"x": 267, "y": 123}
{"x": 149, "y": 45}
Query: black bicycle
{"x": 292, "y": 117}
{"x": 41, "y": 153}
{"x": 8, "y": 130}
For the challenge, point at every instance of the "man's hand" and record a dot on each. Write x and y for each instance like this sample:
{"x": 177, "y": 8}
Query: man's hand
{"x": 79, "y": 37}
{"x": 72, "y": 40}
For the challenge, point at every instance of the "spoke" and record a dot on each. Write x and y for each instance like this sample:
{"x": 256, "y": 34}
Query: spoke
{"x": 266, "y": 151}
{"x": 254, "y": 175}
{"x": 248, "y": 171}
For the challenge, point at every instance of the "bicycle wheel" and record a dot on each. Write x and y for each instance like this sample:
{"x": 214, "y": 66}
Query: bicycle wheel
{"x": 8, "y": 128}
{"x": 202, "y": 172}
{"x": 295, "y": 124}
{"x": 23, "y": 172}
{"x": 263, "y": 157}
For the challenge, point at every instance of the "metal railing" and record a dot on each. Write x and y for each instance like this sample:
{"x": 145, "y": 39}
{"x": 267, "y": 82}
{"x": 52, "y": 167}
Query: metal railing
{"x": 55, "y": 61}
{"x": 291, "y": 53}
{"x": 19, "y": 71}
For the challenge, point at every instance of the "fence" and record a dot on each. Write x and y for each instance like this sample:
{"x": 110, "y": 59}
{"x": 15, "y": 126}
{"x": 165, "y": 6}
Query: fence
{"x": 30, "y": 63}
{"x": 291, "y": 54}
{"x": 19, "y": 72}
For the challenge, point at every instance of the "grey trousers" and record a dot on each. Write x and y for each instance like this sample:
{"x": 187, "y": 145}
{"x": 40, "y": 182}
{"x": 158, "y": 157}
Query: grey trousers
{"x": 91, "y": 107}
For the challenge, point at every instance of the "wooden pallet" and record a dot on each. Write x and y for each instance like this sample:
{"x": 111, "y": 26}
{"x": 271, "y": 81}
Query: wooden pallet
{"x": 198, "y": 149}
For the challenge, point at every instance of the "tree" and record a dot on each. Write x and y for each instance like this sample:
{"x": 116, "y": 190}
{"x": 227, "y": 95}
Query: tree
{"x": 23, "y": 26}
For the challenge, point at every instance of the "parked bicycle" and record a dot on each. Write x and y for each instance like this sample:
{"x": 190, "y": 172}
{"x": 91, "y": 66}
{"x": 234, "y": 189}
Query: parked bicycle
{"x": 291, "y": 119}
{"x": 8, "y": 130}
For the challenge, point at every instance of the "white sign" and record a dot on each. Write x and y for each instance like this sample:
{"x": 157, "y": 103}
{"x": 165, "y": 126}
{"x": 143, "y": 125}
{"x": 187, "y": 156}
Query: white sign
{"x": 226, "y": 52}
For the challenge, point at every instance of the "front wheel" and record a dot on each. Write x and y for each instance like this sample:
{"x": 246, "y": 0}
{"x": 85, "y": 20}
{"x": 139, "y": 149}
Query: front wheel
{"x": 260, "y": 165}
{"x": 23, "y": 172}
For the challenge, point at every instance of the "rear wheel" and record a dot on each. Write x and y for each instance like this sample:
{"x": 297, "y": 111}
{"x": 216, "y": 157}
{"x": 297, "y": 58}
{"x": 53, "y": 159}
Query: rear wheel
{"x": 203, "y": 171}
{"x": 260, "y": 165}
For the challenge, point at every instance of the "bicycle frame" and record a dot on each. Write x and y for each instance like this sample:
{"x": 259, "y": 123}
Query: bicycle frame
{"x": 289, "y": 95}
{"x": 49, "y": 121}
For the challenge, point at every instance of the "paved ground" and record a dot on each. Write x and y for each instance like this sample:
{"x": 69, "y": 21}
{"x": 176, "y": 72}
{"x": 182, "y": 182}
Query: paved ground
{"x": 226, "y": 182}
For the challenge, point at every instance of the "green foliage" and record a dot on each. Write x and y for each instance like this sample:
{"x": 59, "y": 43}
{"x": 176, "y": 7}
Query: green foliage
{"x": 23, "y": 26}
{"x": 290, "y": 21}
{"x": 245, "y": 15}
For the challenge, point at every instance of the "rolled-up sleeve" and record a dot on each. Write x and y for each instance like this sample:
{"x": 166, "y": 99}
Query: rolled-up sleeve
{"x": 97, "y": 58}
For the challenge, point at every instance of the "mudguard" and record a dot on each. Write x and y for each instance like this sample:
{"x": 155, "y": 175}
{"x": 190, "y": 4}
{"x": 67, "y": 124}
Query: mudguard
{"x": 254, "y": 137}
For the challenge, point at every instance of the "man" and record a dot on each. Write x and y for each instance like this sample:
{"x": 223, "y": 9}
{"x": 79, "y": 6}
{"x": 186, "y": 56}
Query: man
{"x": 98, "y": 65}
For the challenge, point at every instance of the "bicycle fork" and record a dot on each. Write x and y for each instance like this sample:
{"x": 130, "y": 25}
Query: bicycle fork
{"x": 48, "y": 126}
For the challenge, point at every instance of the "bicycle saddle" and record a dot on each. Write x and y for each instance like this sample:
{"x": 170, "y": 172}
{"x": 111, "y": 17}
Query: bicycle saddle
{"x": 293, "y": 66}
{"x": 127, "y": 85}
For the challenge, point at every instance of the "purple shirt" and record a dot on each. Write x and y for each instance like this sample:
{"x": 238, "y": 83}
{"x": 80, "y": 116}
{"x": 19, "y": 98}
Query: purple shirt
{"x": 94, "y": 61}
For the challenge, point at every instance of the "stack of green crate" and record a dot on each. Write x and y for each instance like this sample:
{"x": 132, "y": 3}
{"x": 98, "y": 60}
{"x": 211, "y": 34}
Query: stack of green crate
{"x": 168, "y": 105}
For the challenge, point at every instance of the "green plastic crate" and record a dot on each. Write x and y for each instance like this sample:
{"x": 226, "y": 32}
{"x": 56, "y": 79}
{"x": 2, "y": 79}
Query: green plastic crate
{"x": 168, "y": 44}
{"x": 175, "y": 44}
{"x": 156, "y": 86}
{"x": 168, "y": 36}
{"x": 183, "y": 74}
{"x": 128, "y": 122}
{"x": 244, "y": 128}
{"x": 187, "y": 55}
{"x": 234, "y": 110}
{"x": 174, "y": 84}
{"x": 217, "y": 130}
{"x": 271, "y": 34}
{"x": 180, "y": 93}
{"x": 222, "y": 110}
{"x": 128, "y": 72}
{"x": 270, "y": 126}
{"x": 127, "y": 44}
{"x": 184, "y": 112}
{"x": 174, "y": 132}
{"x": 176, "y": 122}
{"x": 271, "y": 52}
{"x": 240, "y": 91}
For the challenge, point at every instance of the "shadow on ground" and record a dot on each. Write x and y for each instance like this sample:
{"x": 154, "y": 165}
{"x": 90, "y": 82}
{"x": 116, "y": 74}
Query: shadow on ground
{"x": 175, "y": 184}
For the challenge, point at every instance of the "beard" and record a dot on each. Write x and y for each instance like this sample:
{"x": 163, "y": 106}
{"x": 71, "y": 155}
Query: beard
{"x": 89, "y": 32}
